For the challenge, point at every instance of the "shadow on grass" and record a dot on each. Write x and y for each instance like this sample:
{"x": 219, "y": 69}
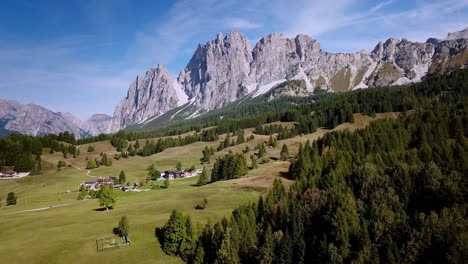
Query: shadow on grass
{"x": 159, "y": 234}
{"x": 102, "y": 209}
{"x": 284, "y": 174}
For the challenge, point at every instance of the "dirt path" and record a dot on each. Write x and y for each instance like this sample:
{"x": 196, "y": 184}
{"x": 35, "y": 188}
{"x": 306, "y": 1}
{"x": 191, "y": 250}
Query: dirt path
{"x": 88, "y": 172}
{"x": 43, "y": 208}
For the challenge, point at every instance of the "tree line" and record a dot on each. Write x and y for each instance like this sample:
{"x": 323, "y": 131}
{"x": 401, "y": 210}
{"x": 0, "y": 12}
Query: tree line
{"x": 392, "y": 192}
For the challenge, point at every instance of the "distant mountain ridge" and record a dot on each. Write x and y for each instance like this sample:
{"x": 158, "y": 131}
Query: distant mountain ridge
{"x": 36, "y": 120}
{"x": 228, "y": 68}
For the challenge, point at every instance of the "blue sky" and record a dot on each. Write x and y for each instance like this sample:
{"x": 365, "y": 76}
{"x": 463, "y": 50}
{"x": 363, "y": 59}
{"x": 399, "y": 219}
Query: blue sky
{"x": 80, "y": 56}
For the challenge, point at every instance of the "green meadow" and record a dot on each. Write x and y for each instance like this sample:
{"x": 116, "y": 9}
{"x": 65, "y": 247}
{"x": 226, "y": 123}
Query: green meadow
{"x": 49, "y": 225}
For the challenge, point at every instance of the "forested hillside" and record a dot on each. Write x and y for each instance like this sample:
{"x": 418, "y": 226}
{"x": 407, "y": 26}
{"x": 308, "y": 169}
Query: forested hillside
{"x": 23, "y": 153}
{"x": 393, "y": 192}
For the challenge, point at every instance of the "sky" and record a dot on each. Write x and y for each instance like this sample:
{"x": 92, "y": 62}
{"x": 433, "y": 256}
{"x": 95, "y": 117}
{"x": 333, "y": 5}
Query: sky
{"x": 80, "y": 56}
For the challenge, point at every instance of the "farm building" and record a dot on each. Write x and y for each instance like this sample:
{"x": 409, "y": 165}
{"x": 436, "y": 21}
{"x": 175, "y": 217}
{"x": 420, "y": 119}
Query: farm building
{"x": 96, "y": 184}
{"x": 8, "y": 174}
{"x": 174, "y": 174}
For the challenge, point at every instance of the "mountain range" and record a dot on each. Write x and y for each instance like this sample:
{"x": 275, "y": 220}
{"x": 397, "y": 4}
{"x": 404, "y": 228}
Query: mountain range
{"x": 228, "y": 68}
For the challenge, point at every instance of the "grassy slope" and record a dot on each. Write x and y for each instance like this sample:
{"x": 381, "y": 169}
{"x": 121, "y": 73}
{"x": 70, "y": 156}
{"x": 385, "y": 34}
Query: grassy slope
{"x": 67, "y": 234}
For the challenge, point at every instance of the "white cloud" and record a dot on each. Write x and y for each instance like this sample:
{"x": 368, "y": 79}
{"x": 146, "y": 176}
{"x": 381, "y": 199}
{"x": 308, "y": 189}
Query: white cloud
{"x": 241, "y": 23}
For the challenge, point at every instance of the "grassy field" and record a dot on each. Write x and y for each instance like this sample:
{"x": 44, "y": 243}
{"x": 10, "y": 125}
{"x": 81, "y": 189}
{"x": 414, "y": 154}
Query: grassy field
{"x": 68, "y": 233}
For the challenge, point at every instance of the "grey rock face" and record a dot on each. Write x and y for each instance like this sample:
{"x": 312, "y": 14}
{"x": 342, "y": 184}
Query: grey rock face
{"x": 148, "y": 96}
{"x": 227, "y": 68}
{"x": 449, "y": 55}
{"x": 35, "y": 120}
{"x": 218, "y": 72}
{"x": 462, "y": 34}
{"x": 97, "y": 124}
{"x": 277, "y": 58}
{"x": 400, "y": 62}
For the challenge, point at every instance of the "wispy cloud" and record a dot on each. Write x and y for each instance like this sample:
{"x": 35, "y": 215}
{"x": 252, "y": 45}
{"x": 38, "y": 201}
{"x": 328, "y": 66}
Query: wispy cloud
{"x": 241, "y": 23}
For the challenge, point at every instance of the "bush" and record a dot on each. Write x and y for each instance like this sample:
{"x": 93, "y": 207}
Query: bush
{"x": 61, "y": 164}
{"x": 202, "y": 205}
{"x": 91, "y": 164}
{"x": 11, "y": 198}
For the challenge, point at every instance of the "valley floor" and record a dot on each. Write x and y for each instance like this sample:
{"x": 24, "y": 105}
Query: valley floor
{"x": 48, "y": 224}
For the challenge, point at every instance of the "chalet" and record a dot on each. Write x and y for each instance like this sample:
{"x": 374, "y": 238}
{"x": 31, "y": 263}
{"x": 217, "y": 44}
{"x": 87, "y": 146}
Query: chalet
{"x": 8, "y": 174}
{"x": 174, "y": 174}
{"x": 127, "y": 188}
{"x": 89, "y": 183}
{"x": 197, "y": 172}
{"x": 95, "y": 184}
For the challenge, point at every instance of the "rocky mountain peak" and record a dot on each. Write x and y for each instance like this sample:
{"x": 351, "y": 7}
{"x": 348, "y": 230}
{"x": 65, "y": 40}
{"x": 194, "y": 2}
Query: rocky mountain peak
{"x": 150, "y": 96}
{"x": 218, "y": 72}
{"x": 228, "y": 68}
{"x": 462, "y": 34}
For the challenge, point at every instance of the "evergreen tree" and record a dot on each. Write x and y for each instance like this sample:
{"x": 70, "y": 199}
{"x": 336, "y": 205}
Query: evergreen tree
{"x": 272, "y": 142}
{"x": 104, "y": 159}
{"x": 207, "y": 153}
{"x": 240, "y": 137}
{"x": 137, "y": 145}
{"x": 203, "y": 177}
{"x": 179, "y": 165}
{"x": 123, "y": 226}
{"x": 267, "y": 249}
{"x": 192, "y": 168}
{"x": 284, "y": 155}
{"x": 174, "y": 233}
{"x": 11, "y": 199}
{"x": 261, "y": 150}
{"x": 227, "y": 253}
{"x": 122, "y": 178}
{"x": 199, "y": 255}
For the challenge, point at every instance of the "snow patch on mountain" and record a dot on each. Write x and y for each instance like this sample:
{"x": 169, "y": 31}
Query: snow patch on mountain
{"x": 267, "y": 87}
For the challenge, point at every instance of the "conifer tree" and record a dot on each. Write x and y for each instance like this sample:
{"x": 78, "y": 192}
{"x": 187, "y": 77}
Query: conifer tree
{"x": 284, "y": 155}
{"x": 122, "y": 178}
{"x": 203, "y": 177}
{"x": 261, "y": 150}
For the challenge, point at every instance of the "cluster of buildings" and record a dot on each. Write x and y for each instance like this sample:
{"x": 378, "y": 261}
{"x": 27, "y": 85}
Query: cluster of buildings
{"x": 177, "y": 174}
{"x": 8, "y": 174}
{"x": 112, "y": 181}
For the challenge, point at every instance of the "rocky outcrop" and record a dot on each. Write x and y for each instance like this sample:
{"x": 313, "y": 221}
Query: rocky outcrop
{"x": 278, "y": 58}
{"x": 218, "y": 72}
{"x": 462, "y": 34}
{"x": 449, "y": 55}
{"x": 149, "y": 96}
{"x": 98, "y": 124}
{"x": 400, "y": 62}
{"x": 227, "y": 68}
